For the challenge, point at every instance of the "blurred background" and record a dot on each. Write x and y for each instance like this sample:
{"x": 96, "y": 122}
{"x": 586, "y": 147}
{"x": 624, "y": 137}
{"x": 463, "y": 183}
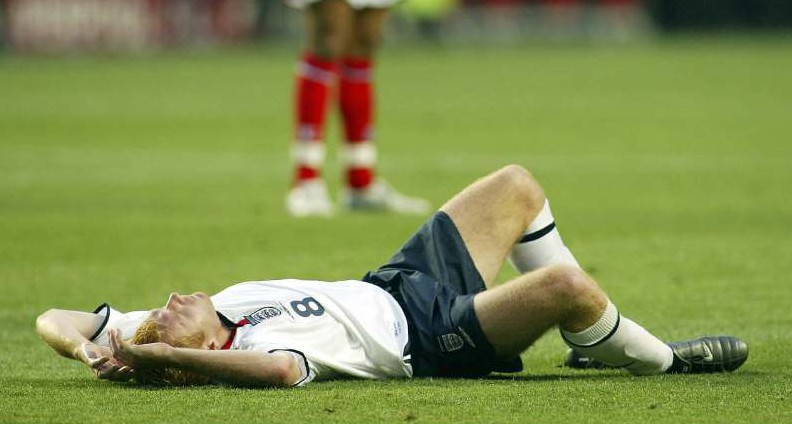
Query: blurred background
{"x": 57, "y": 26}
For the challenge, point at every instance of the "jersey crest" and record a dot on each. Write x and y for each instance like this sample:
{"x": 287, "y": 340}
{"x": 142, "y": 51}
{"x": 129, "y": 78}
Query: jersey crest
{"x": 265, "y": 313}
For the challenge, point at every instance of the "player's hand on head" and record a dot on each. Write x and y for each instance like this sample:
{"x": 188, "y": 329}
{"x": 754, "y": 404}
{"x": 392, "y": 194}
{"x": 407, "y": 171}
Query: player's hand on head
{"x": 138, "y": 356}
{"x": 100, "y": 360}
{"x": 115, "y": 372}
{"x": 93, "y": 355}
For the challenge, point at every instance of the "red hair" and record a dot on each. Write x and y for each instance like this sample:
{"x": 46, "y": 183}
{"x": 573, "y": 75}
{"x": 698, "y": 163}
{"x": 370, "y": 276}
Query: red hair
{"x": 151, "y": 332}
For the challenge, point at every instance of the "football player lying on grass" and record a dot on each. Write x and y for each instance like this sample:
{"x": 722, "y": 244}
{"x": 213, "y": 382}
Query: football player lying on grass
{"x": 432, "y": 310}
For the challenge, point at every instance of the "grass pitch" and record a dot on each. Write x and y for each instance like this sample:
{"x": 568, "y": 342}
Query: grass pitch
{"x": 668, "y": 166}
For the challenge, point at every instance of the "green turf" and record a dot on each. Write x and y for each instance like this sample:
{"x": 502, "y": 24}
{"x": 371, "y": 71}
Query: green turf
{"x": 668, "y": 165}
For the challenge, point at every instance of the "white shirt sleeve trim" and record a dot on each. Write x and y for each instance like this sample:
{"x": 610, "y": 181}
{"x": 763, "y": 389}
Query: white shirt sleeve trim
{"x": 302, "y": 363}
{"x": 103, "y": 310}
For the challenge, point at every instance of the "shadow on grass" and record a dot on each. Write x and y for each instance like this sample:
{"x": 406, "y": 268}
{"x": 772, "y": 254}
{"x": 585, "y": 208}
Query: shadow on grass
{"x": 616, "y": 375}
{"x": 17, "y": 386}
{"x": 70, "y": 383}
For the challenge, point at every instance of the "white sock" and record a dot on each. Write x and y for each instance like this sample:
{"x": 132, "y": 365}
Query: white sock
{"x": 362, "y": 154}
{"x": 310, "y": 153}
{"x": 541, "y": 245}
{"x": 620, "y": 342}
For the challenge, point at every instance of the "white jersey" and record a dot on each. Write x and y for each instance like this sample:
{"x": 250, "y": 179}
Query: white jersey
{"x": 355, "y": 4}
{"x": 347, "y": 328}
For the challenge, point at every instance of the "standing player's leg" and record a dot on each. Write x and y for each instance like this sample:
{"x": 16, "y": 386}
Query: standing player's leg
{"x": 328, "y": 24}
{"x": 356, "y": 103}
{"x": 356, "y": 97}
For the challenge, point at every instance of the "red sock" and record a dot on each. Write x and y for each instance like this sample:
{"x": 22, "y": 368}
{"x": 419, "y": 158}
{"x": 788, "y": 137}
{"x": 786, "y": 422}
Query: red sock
{"x": 355, "y": 99}
{"x": 359, "y": 178}
{"x": 357, "y": 109}
{"x": 315, "y": 78}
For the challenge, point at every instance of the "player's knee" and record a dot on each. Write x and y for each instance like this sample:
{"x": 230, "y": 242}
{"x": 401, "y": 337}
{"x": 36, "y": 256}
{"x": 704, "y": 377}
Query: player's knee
{"x": 516, "y": 176}
{"x": 516, "y": 170}
{"x": 329, "y": 42}
{"x": 572, "y": 286}
{"x": 521, "y": 185}
{"x": 365, "y": 44}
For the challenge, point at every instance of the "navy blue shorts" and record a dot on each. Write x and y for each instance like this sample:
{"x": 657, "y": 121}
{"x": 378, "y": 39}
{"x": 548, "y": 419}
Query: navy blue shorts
{"x": 434, "y": 280}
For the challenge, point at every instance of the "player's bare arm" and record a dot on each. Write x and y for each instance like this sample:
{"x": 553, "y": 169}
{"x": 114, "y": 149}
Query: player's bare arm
{"x": 239, "y": 368}
{"x": 67, "y": 333}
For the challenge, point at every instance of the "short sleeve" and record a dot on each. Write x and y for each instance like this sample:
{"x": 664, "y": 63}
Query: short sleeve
{"x": 128, "y": 323}
{"x": 307, "y": 375}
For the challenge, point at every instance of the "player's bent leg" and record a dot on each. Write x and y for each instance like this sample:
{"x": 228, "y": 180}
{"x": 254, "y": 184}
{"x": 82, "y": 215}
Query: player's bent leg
{"x": 492, "y": 213}
{"x": 514, "y": 315}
